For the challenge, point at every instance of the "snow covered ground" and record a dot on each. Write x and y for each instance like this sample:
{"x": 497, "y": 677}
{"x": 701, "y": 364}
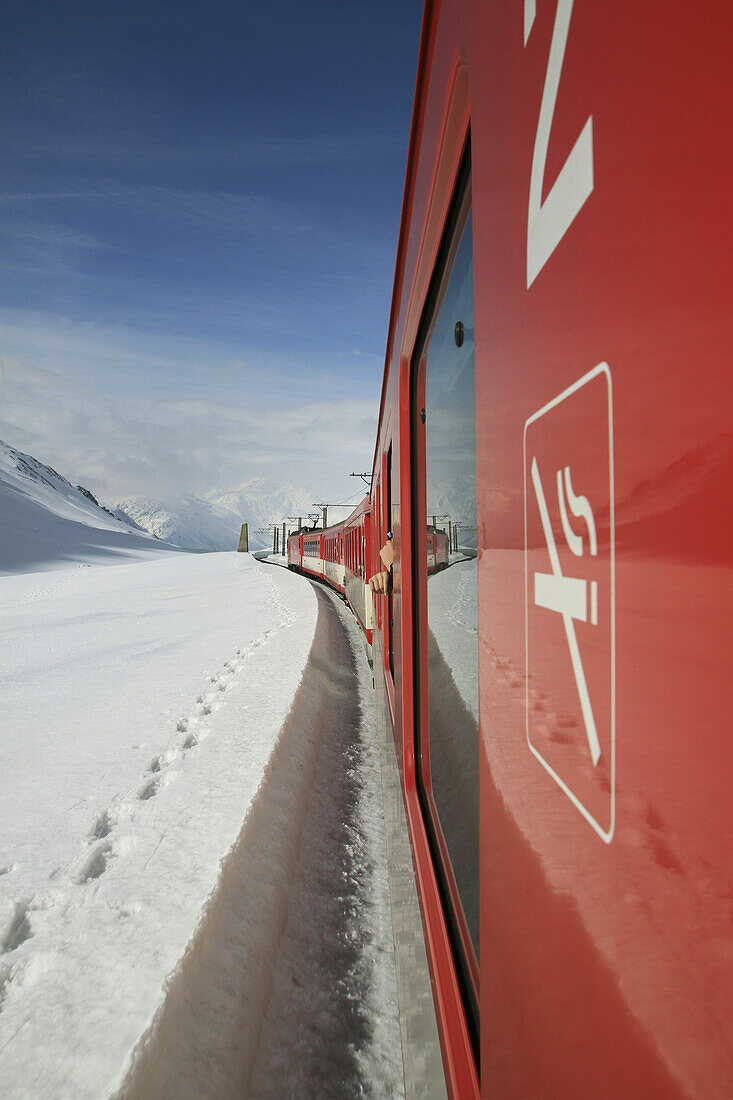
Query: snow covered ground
{"x": 165, "y": 726}
{"x": 453, "y": 619}
{"x": 193, "y": 890}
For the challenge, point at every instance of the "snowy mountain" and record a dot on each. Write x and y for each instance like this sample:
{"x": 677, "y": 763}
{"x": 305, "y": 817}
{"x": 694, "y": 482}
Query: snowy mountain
{"x": 47, "y": 522}
{"x": 213, "y": 520}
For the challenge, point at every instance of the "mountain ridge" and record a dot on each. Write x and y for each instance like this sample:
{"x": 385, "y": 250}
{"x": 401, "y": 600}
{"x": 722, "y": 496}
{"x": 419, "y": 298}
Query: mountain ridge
{"x": 213, "y": 520}
{"x": 48, "y": 522}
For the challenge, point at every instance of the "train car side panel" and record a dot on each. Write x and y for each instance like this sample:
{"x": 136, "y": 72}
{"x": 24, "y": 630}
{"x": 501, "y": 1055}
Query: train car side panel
{"x": 602, "y": 236}
{"x": 603, "y": 330}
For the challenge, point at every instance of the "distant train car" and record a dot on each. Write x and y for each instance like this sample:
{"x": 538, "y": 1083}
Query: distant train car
{"x": 442, "y": 554}
{"x": 357, "y": 560}
{"x": 312, "y": 561}
{"x": 333, "y": 556}
{"x": 558, "y": 383}
{"x": 438, "y": 553}
{"x": 339, "y": 556}
{"x": 295, "y": 550}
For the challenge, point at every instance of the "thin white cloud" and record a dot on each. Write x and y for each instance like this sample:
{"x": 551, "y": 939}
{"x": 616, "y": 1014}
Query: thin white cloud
{"x": 150, "y": 361}
{"x": 51, "y": 234}
{"x": 252, "y": 215}
{"x": 252, "y": 151}
{"x": 175, "y": 449}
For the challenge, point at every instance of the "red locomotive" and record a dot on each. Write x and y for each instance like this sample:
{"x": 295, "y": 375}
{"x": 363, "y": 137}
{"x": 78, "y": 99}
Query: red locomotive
{"x": 558, "y": 688}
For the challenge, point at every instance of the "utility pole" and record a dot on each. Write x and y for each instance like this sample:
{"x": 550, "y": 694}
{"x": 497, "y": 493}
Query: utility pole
{"x": 284, "y": 543}
{"x": 437, "y": 518}
{"x": 324, "y": 507}
{"x": 367, "y": 478}
{"x": 324, "y": 510}
{"x": 275, "y": 528}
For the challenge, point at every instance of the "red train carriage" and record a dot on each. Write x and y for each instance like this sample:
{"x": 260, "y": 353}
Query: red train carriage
{"x": 312, "y": 560}
{"x": 320, "y": 553}
{"x": 558, "y": 384}
{"x": 295, "y": 550}
{"x": 357, "y": 558}
{"x": 333, "y": 556}
{"x": 438, "y": 553}
{"x": 442, "y": 554}
{"x": 339, "y": 556}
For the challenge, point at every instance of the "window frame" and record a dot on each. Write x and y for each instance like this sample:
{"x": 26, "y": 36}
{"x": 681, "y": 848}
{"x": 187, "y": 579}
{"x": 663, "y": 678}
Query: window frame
{"x": 461, "y": 943}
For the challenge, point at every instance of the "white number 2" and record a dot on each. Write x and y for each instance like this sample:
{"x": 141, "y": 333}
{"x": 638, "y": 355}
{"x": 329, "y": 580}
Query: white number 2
{"x": 548, "y": 221}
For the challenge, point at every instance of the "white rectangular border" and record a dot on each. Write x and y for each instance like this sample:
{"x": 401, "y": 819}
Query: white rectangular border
{"x": 602, "y": 368}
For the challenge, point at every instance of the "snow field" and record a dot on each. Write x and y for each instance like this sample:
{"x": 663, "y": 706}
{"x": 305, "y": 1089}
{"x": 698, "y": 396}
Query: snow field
{"x": 141, "y": 706}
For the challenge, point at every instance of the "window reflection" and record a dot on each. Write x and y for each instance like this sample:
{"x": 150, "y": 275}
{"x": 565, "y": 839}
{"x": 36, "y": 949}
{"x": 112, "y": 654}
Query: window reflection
{"x": 450, "y": 453}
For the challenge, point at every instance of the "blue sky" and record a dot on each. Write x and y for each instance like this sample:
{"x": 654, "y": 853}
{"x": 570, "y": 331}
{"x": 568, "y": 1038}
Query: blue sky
{"x": 199, "y": 205}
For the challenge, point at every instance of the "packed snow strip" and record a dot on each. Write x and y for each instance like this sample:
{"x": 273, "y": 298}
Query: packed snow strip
{"x": 332, "y": 1024}
{"x": 141, "y": 708}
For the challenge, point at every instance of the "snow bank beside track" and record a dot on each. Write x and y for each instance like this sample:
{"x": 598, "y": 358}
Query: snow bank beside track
{"x": 141, "y": 707}
{"x": 287, "y": 987}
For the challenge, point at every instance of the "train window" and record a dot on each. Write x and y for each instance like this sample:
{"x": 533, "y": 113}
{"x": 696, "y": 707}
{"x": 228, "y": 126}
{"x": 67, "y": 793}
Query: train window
{"x": 377, "y": 542}
{"x": 444, "y": 426}
{"x": 390, "y": 603}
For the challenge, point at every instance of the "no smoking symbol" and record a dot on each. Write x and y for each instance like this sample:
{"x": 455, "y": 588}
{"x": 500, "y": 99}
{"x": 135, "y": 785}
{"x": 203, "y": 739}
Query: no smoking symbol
{"x": 570, "y": 594}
